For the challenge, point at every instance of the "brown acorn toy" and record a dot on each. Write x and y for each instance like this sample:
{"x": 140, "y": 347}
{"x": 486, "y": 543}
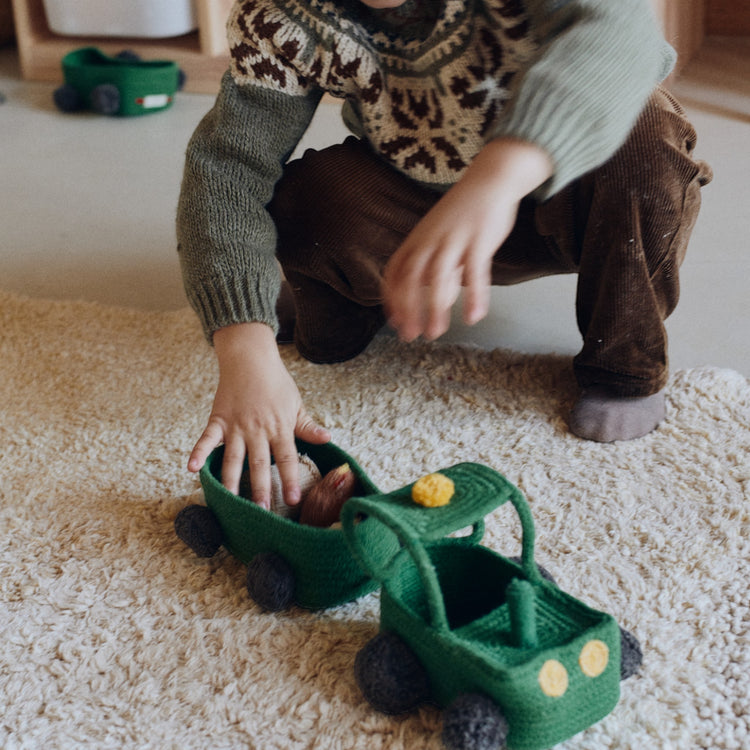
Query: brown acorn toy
{"x": 322, "y": 497}
{"x": 322, "y": 503}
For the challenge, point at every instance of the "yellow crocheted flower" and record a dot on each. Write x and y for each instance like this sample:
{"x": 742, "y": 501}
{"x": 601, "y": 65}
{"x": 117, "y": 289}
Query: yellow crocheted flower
{"x": 433, "y": 490}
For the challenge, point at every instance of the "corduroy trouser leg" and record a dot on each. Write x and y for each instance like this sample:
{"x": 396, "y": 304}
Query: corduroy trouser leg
{"x": 623, "y": 228}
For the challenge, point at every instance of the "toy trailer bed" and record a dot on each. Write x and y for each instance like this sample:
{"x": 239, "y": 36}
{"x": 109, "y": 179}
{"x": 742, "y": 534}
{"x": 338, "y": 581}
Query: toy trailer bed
{"x": 323, "y": 573}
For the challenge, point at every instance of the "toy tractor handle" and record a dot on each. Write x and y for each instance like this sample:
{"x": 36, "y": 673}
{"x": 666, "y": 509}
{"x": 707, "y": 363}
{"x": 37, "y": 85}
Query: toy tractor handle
{"x": 478, "y": 491}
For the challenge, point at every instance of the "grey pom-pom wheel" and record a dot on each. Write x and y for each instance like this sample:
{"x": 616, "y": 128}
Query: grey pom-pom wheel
{"x": 197, "y": 526}
{"x": 270, "y": 581}
{"x": 390, "y": 676}
{"x": 474, "y": 722}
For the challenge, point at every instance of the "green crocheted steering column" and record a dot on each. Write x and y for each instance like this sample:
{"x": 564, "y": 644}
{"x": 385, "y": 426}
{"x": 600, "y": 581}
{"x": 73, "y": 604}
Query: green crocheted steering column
{"x": 479, "y": 491}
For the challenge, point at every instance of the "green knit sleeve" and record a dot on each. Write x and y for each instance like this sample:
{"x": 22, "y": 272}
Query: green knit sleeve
{"x": 226, "y": 238}
{"x": 598, "y": 62}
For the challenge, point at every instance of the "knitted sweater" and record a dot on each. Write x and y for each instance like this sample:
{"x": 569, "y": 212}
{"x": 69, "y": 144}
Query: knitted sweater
{"x": 427, "y": 85}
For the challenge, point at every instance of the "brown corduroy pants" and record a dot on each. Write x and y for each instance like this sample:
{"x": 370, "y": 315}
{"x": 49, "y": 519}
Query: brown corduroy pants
{"x": 341, "y": 212}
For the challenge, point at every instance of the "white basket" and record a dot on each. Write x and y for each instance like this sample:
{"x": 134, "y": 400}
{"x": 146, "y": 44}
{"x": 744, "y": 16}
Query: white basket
{"x": 152, "y": 19}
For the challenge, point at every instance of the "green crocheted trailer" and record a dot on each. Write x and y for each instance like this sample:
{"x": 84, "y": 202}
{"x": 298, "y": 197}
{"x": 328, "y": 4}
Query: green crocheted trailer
{"x": 517, "y": 662}
{"x": 121, "y": 85}
{"x": 288, "y": 562}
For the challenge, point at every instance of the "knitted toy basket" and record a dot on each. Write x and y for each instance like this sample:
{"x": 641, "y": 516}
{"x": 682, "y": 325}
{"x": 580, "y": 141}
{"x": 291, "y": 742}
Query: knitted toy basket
{"x": 480, "y": 623}
{"x": 140, "y": 86}
{"x": 325, "y": 574}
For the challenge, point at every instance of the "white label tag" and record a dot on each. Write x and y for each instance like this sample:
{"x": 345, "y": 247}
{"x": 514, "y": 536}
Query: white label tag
{"x": 154, "y": 100}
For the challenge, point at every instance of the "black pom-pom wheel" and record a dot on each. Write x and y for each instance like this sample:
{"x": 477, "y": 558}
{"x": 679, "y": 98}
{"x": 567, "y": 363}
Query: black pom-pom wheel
{"x": 631, "y": 655}
{"x": 270, "y": 581}
{"x": 197, "y": 526}
{"x": 128, "y": 55}
{"x": 390, "y": 676}
{"x": 474, "y": 722}
{"x": 67, "y": 99}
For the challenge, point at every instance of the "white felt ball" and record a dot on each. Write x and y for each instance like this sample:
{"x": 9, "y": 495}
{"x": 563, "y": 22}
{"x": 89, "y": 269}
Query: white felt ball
{"x": 308, "y": 476}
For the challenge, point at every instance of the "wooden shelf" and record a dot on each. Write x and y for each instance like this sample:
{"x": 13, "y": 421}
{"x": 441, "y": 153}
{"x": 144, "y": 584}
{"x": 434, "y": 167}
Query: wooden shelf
{"x": 683, "y": 24}
{"x": 202, "y": 55}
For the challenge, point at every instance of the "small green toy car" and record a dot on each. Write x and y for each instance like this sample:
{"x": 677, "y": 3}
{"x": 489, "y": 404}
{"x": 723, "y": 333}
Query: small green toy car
{"x": 516, "y": 662}
{"x": 123, "y": 85}
{"x": 288, "y": 563}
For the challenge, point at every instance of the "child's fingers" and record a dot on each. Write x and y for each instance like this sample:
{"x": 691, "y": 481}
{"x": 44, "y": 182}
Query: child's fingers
{"x": 308, "y": 429}
{"x": 211, "y": 437}
{"x": 422, "y": 284}
{"x": 233, "y": 462}
{"x": 476, "y": 303}
{"x": 439, "y": 298}
{"x": 287, "y": 462}
{"x": 403, "y": 295}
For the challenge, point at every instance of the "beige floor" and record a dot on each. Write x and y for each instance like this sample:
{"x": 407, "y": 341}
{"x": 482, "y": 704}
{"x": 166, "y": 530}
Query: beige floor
{"x": 87, "y": 211}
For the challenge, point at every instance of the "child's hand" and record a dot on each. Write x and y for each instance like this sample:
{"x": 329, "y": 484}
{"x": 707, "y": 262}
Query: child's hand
{"x": 257, "y": 412}
{"x": 453, "y": 245}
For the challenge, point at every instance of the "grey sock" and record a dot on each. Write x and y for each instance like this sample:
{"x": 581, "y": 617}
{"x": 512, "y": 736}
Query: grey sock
{"x": 598, "y": 415}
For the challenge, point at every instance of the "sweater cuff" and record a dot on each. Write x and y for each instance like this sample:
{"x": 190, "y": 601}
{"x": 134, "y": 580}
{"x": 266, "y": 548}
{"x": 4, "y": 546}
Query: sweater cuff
{"x": 598, "y": 64}
{"x": 231, "y": 299}
{"x": 575, "y": 147}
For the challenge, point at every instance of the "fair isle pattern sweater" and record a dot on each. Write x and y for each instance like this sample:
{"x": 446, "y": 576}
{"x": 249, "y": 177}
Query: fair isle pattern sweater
{"x": 425, "y": 104}
{"x": 427, "y": 85}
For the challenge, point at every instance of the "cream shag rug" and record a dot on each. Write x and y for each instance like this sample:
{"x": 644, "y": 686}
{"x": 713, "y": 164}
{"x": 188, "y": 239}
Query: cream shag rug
{"x": 114, "y": 635}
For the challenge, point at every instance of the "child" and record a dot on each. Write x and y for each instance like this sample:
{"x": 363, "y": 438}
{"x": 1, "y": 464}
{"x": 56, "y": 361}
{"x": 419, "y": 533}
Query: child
{"x": 494, "y": 141}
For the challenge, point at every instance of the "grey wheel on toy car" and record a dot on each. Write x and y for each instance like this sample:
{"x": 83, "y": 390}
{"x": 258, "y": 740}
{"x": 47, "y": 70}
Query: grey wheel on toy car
{"x": 631, "y": 655}
{"x": 105, "y": 99}
{"x": 474, "y": 721}
{"x": 270, "y": 581}
{"x": 390, "y": 676}
{"x": 197, "y": 526}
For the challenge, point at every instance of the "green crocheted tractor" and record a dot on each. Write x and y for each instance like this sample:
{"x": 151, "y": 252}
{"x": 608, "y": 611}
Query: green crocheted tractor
{"x": 287, "y": 562}
{"x": 515, "y": 661}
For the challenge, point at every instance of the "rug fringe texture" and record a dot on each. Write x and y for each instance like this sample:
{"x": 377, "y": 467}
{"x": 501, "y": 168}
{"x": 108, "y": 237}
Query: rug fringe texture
{"x": 115, "y": 635}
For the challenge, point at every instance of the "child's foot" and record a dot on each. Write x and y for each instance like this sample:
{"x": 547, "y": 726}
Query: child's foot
{"x": 598, "y": 415}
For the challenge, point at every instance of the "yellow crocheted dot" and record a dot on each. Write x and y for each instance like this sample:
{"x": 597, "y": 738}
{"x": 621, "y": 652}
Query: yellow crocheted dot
{"x": 433, "y": 490}
{"x": 594, "y": 658}
{"x": 553, "y": 678}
